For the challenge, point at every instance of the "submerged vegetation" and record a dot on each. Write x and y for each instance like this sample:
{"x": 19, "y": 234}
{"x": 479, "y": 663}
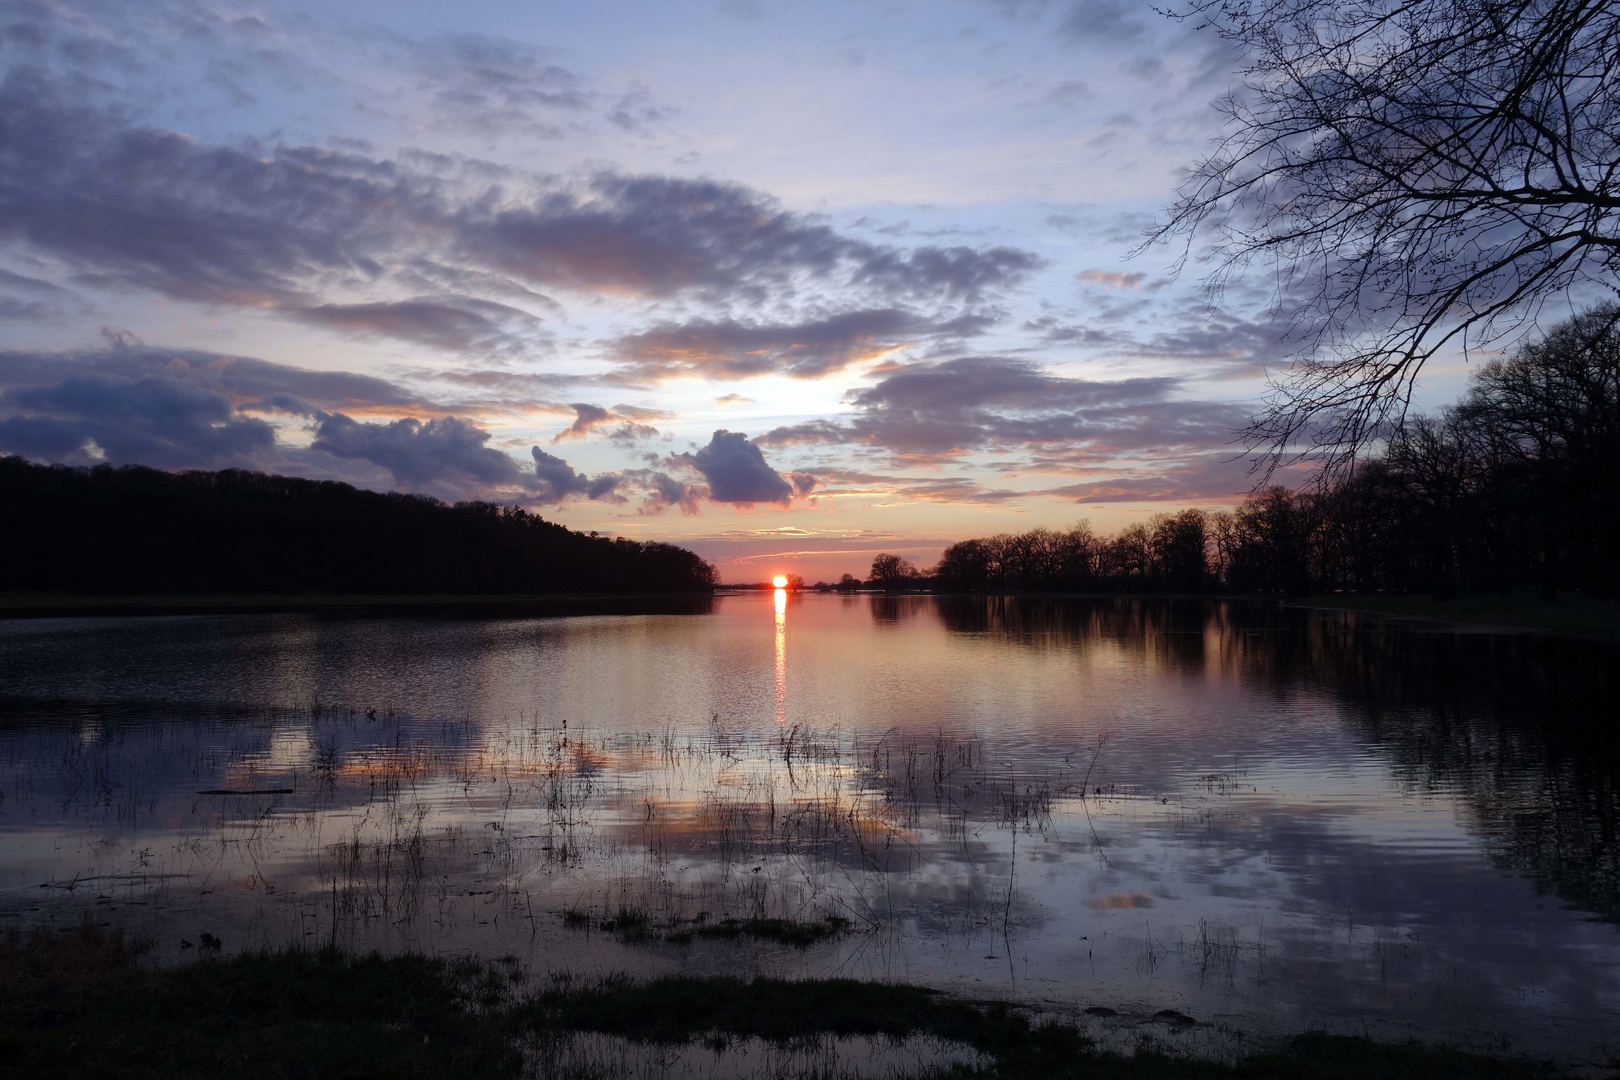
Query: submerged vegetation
{"x": 636, "y": 925}
{"x": 81, "y": 1003}
{"x": 244, "y": 532}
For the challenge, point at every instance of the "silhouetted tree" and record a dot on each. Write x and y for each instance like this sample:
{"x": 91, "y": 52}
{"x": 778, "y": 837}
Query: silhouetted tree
{"x": 1419, "y": 172}
{"x": 1179, "y": 543}
{"x": 891, "y": 573}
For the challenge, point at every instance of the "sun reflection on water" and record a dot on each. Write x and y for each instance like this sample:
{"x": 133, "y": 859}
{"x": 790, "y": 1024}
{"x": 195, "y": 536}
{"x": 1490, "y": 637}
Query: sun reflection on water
{"x": 781, "y": 656}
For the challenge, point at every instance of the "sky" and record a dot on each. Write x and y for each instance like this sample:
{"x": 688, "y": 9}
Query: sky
{"x": 787, "y": 283}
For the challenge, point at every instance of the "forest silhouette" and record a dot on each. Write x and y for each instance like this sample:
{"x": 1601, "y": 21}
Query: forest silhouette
{"x": 135, "y": 530}
{"x": 1516, "y": 485}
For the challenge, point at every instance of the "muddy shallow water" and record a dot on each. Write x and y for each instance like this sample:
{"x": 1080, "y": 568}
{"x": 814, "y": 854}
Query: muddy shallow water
{"x": 1265, "y": 819}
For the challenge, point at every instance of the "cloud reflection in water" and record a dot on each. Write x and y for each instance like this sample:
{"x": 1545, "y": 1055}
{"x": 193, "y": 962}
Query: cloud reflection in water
{"x": 1291, "y": 818}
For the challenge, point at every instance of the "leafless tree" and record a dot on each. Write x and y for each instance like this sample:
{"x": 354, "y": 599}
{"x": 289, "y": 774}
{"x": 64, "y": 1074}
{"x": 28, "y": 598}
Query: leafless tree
{"x": 1424, "y": 175}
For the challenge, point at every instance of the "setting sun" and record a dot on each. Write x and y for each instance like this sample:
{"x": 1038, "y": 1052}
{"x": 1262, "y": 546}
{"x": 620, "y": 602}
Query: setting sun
{"x": 779, "y": 581}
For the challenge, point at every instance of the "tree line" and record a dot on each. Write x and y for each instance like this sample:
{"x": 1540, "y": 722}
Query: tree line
{"x": 139, "y": 530}
{"x": 1517, "y": 484}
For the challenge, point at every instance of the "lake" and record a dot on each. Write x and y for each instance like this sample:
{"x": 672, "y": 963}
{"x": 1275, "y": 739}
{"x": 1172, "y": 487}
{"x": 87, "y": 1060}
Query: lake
{"x": 1267, "y": 819}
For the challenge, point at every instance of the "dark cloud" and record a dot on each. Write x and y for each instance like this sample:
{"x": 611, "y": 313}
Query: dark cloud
{"x": 586, "y": 418}
{"x": 736, "y": 471}
{"x": 154, "y": 420}
{"x": 283, "y": 403}
{"x": 982, "y": 402}
{"x": 664, "y": 491}
{"x": 242, "y": 381}
{"x": 22, "y": 310}
{"x": 179, "y": 410}
{"x": 810, "y": 431}
{"x": 657, "y": 236}
{"x": 732, "y": 350}
{"x": 961, "y": 273}
{"x": 1054, "y": 331}
{"x": 416, "y": 453}
{"x": 558, "y": 481}
{"x": 271, "y": 227}
{"x": 589, "y": 418}
{"x": 452, "y": 323}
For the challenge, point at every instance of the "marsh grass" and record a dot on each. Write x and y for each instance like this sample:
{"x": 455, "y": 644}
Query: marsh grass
{"x": 406, "y": 823}
{"x": 634, "y": 925}
{"x": 80, "y": 1003}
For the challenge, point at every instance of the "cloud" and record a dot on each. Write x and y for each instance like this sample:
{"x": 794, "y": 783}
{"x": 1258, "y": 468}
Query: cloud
{"x": 961, "y": 491}
{"x": 1110, "y": 279}
{"x": 665, "y": 491}
{"x": 635, "y": 111}
{"x": 452, "y": 323}
{"x": 1214, "y": 477}
{"x": 961, "y": 273}
{"x": 417, "y": 453}
{"x": 733, "y": 350}
{"x": 153, "y": 420}
{"x": 586, "y": 418}
{"x": 1107, "y": 21}
{"x": 273, "y": 227}
{"x": 1067, "y": 94}
{"x": 736, "y": 471}
{"x": 37, "y": 300}
{"x": 558, "y": 480}
{"x": 629, "y": 434}
{"x": 810, "y": 431}
{"x": 984, "y": 402}
{"x": 191, "y": 410}
{"x": 243, "y": 381}
{"x": 733, "y": 399}
{"x": 493, "y": 84}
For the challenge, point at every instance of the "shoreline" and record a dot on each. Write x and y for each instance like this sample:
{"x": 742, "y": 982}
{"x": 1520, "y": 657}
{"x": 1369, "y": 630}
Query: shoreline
{"x": 1573, "y": 616}
{"x": 72, "y": 605}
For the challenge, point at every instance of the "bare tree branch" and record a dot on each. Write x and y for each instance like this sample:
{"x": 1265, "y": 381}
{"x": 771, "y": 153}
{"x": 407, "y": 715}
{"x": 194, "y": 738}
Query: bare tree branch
{"x": 1422, "y": 173}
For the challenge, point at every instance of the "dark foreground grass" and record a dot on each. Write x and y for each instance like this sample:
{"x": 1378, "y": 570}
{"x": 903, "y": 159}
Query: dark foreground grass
{"x": 79, "y": 1004}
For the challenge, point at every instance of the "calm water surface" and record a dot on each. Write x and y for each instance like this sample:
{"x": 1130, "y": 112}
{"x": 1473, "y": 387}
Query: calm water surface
{"x": 1266, "y": 819}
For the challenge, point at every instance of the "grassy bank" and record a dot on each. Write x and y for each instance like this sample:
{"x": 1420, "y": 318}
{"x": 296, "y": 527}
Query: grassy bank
{"x": 81, "y": 1004}
{"x": 1572, "y": 614}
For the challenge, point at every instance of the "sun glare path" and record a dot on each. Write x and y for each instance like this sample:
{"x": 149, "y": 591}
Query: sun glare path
{"x": 781, "y": 655}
